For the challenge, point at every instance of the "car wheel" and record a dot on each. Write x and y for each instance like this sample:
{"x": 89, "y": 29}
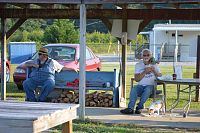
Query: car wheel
{"x": 20, "y": 87}
{"x": 7, "y": 74}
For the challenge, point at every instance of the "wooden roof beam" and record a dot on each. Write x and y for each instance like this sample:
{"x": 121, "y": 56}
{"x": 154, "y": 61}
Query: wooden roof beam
{"x": 143, "y": 24}
{"x": 99, "y": 1}
{"x": 162, "y": 14}
{"x": 14, "y": 28}
{"x": 107, "y": 23}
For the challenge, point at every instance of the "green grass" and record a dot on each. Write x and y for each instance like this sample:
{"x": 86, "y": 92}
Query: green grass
{"x": 12, "y": 90}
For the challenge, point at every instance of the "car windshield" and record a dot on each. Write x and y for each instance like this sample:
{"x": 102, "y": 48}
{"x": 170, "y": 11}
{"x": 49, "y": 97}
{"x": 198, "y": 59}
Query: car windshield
{"x": 60, "y": 53}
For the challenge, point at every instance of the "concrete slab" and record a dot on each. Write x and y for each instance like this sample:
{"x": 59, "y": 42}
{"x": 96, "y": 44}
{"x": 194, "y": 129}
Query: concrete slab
{"x": 174, "y": 120}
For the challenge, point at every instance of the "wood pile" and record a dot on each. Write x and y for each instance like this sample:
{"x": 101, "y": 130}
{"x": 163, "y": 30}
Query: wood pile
{"x": 93, "y": 99}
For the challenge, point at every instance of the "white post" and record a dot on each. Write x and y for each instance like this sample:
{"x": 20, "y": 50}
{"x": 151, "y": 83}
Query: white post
{"x": 82, "y": 74}
{"x": 176, "y": 49}
{"x": 118, "y": 43}
{"x": 154, "y": 43}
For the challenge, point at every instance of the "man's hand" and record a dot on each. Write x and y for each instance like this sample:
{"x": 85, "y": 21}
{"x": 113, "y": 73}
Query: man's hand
{"x": 76, "y": 70}
{"x": 35, "y": 65}
{"x": 73, "y": 69}
{"x": 31, "y": 64}
{"x": 149, "y": 69}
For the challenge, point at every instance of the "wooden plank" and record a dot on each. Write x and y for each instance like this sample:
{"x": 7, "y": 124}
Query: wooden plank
{"x": 41, "y": 105}
{"x": 34, "y": 107}
{"x": 87, "y": 88}
{"x": 54, "y": 120}
{"x": 15, "y": 130}
{"x": 39, "y": 112}
{"x": 15, "y": 123}
{"x": 30, "y": 115}
{"x": 67, "y": 127}
{"x": 16, "y": 117}
{"x": 15, "y": 126}
{"x": 30, "y": 110}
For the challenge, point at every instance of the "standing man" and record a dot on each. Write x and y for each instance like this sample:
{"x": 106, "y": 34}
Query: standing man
{"x": 145, "y": 75}
{"x": 42, "y": 74}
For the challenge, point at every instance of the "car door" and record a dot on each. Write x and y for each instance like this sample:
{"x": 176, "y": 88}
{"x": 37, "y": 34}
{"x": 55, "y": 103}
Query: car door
{"x": 91, "y": 64}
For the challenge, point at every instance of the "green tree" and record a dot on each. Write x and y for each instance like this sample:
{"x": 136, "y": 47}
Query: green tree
{"x": 36, "y": 35}
{"x": 61, "y": 31}
{"x": 32, "y": 24}
{"x": 100, "y": 38}
{"x": 139, "y": 40}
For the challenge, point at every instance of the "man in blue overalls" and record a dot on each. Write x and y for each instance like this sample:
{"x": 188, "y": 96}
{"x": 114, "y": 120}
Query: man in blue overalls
{"x": 42, "y": 74}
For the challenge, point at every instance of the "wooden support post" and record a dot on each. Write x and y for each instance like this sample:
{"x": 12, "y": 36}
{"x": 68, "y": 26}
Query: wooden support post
{"x": 82, "y": 61}
{"x": 197, "y": 96}
{"x": 124, "y": 56}
{"x": 67, "y": 127}
{"x": 3, "y": 59}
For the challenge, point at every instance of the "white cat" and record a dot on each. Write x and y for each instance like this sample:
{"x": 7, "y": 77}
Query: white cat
{"x": 156, "y": 106}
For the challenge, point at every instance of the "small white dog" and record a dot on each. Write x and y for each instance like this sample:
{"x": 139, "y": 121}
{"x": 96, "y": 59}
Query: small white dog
{"x": 156, "y": 106}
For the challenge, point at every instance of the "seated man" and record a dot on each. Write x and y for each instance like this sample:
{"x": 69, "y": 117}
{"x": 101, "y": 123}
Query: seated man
{"x": 145, "y": 75}
{"x": 42, "y": 74}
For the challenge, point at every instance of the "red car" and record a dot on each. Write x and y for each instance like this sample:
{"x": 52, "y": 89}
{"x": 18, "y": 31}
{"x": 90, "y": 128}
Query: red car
{"x": 65, "y": 54}
{"x": 8, "y": 69}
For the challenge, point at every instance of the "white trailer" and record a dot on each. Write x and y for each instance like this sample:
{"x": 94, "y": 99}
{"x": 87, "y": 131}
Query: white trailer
{"x": 175, "y": 41}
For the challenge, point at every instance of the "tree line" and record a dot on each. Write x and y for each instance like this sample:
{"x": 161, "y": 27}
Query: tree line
{"x": 58, "y": 31}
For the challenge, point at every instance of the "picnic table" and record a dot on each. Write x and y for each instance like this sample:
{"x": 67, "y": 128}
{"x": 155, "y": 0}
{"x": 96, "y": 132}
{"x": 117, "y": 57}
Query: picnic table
{"x": 34, "y": 117}
{"x": 189, "y": 83}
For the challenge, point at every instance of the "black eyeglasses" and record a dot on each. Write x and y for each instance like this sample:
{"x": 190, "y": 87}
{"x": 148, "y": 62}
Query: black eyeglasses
{"x": 145, "y": 55}
{"x": 40, "y": 54}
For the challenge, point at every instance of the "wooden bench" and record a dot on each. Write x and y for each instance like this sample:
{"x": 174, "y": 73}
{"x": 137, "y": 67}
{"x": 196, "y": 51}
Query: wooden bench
{"x": 95, "y": 80}
{"x": 34, "y": 117}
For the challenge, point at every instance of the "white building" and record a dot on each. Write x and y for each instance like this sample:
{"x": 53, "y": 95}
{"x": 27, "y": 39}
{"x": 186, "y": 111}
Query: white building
{"x": 175, "y": 41}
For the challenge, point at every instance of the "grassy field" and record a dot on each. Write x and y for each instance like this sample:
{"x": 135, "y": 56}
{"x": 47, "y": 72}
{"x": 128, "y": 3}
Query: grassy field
{"x": 95, "y": 127}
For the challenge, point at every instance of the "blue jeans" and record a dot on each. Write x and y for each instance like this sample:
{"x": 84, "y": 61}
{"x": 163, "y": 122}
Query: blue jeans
{"x": 143, "y": 91}
{"x": 30, "y": 85}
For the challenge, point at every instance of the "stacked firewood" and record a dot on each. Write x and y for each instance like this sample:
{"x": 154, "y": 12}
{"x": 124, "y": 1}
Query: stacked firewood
{"x": 93, "y": 99}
